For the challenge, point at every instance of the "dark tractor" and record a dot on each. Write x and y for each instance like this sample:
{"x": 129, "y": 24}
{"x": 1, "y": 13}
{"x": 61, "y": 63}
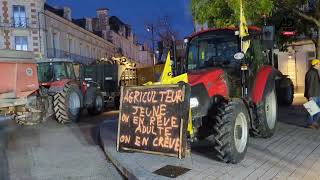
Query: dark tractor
{"x": 67, "y": 95}
{"x": 106, "y": 76}
{"x": 233, "y": 95}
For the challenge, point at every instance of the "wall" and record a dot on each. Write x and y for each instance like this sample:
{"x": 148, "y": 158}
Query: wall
{"x": 8, "y": 32}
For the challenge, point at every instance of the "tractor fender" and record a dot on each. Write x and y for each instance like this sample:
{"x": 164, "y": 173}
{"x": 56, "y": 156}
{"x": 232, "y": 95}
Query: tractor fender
{"x": 264, "y": 83}
{"x": 57, "y": 86}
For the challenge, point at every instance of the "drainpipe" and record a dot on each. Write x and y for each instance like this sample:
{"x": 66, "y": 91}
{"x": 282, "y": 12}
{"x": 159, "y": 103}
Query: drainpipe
{"x": 44, "y": 30}
{"x": 39, "y": 28}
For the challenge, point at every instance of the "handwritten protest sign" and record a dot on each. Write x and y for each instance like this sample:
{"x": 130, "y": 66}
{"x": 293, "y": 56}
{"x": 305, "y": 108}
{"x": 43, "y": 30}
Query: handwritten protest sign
{"x": 154, "y": 119}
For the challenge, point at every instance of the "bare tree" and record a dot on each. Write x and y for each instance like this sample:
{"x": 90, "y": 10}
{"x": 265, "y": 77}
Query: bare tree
{"x": 163, "y": 32}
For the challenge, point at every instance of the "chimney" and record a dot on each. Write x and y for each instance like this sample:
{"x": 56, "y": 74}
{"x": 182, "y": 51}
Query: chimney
{"x": 67, "y": 13}
{"x": 102, "y": 12}
{"x": 88, "y": 24}
{"x": 102, "y": 15}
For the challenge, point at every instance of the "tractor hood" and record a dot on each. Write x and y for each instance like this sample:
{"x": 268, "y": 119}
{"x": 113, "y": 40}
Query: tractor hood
{"x": 205, "y": 75}
{"x": 205, "y": 84}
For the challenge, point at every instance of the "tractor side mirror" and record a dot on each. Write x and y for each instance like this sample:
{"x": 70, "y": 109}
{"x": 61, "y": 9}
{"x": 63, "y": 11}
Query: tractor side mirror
{"x": 239, "y": 56}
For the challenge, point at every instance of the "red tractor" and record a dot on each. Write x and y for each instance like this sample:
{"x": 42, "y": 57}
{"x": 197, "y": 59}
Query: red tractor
{"x": 30, "y": 97}
{"x": 67, "y": 93}
{"x": 233, "y": 94}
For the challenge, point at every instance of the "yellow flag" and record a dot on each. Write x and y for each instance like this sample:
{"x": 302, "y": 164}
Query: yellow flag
{"x": 167, "y": 71}
{"x": 243, "y": 30}
{"x": 167, "y": 77}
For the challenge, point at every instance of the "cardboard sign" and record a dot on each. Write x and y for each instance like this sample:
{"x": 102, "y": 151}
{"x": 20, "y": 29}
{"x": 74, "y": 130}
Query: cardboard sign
{"x": 312, "y": 107}
{"x": 154, "y": 119}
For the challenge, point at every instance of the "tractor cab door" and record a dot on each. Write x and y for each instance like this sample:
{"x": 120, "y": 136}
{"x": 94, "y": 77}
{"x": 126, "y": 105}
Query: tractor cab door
{"x": 255, "y": 57}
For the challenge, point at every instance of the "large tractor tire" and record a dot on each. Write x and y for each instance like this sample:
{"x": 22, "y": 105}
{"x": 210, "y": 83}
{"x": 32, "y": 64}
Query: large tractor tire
{"x": 97, "y": 102}
{"x": 117, "y": 102}
{"x": 67, "y": 104}
{"x": 231, "y": 131}
{"x": 267, "y": 112}
{"x": 286, "y": 92}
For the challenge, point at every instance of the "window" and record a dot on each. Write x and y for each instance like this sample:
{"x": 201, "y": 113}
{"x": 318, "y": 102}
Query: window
{"x": 21, "y": 43}
{"x": 70, "y": 46}
{"x": 19, "y": 16}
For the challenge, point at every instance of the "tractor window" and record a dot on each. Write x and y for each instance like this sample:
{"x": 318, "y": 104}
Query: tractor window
{"x": 45, "y": 72}
{"x": 213, "y": 52}
{"x": 70, "y": 71}
{"x": 192, "y": 57}
{"x": 258, "y": 57}
{"x": 60, "y": 71}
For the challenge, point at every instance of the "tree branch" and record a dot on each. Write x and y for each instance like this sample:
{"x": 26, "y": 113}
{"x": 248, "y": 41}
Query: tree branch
{"x": 307, "y": 17}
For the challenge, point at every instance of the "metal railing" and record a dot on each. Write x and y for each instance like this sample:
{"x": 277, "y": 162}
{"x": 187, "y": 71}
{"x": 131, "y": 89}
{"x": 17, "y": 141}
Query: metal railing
{"x": 57, "y": 53}
{"x": 19, "y": 22}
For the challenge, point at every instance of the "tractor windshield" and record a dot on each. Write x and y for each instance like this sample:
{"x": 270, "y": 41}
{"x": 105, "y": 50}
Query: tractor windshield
{"x": 212, "y": 51}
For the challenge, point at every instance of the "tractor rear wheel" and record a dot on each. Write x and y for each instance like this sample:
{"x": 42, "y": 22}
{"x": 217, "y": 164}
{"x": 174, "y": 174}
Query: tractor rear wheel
{"x": 97, "y": 105}
{"x": 67, "y": 104}
{"x": 286, "y": 93}
{"x": 231, "y": 131}
{"x": 267, "y": 115}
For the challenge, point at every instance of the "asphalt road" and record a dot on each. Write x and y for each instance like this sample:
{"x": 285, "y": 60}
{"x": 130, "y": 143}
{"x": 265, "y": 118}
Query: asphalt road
{"x": 53, "y": 151}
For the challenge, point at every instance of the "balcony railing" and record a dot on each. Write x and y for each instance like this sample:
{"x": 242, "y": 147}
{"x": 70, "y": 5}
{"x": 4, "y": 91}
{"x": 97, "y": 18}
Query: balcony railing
{"x": 19, "y": 22}
{"x": 57, "y": 53}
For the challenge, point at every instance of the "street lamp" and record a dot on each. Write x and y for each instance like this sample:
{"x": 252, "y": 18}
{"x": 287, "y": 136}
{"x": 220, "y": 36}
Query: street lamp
{"x": 150, "y": 28}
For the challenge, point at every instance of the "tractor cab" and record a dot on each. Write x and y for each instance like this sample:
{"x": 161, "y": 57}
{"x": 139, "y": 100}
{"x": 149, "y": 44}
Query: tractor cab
{"x": 221, "y": 49}
{"x": 55, "y": 70}
{"x": 213, "y": 49}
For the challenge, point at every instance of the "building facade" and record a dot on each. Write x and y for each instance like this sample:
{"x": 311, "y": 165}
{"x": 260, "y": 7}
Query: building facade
{"x": 50, "y": 32}
{"x": 63, "y": 38}
{"x": 19, "y": 26}
{"x": 295, "y": 62}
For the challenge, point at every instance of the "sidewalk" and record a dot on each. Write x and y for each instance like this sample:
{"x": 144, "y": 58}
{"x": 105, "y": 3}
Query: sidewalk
{"x": 293, "y": 153}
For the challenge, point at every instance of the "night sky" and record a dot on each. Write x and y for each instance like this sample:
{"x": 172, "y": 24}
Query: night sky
{"x": 135, "y": 12}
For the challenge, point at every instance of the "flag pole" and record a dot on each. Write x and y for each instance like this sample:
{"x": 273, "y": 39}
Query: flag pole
{"x": 241, "y": 38}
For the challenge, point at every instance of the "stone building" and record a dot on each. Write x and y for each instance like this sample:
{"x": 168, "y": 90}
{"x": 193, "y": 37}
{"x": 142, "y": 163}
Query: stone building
{"x": 51, "y": 32}
{"x": 19, "y": 26}
{"x": 66, "y": 38}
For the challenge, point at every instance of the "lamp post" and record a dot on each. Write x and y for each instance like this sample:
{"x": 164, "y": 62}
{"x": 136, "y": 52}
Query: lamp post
{"x": 150, "y": 28}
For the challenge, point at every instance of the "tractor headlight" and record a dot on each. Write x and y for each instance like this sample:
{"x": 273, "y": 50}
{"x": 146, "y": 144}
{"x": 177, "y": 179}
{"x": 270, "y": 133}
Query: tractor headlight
{"x": 194, "y": 102}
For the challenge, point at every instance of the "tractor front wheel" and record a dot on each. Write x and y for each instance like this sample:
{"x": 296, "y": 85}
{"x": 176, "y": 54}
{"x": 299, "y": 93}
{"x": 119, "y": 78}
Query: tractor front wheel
{"x": 67, "y": 104}
{"x": 231, "y": 131}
